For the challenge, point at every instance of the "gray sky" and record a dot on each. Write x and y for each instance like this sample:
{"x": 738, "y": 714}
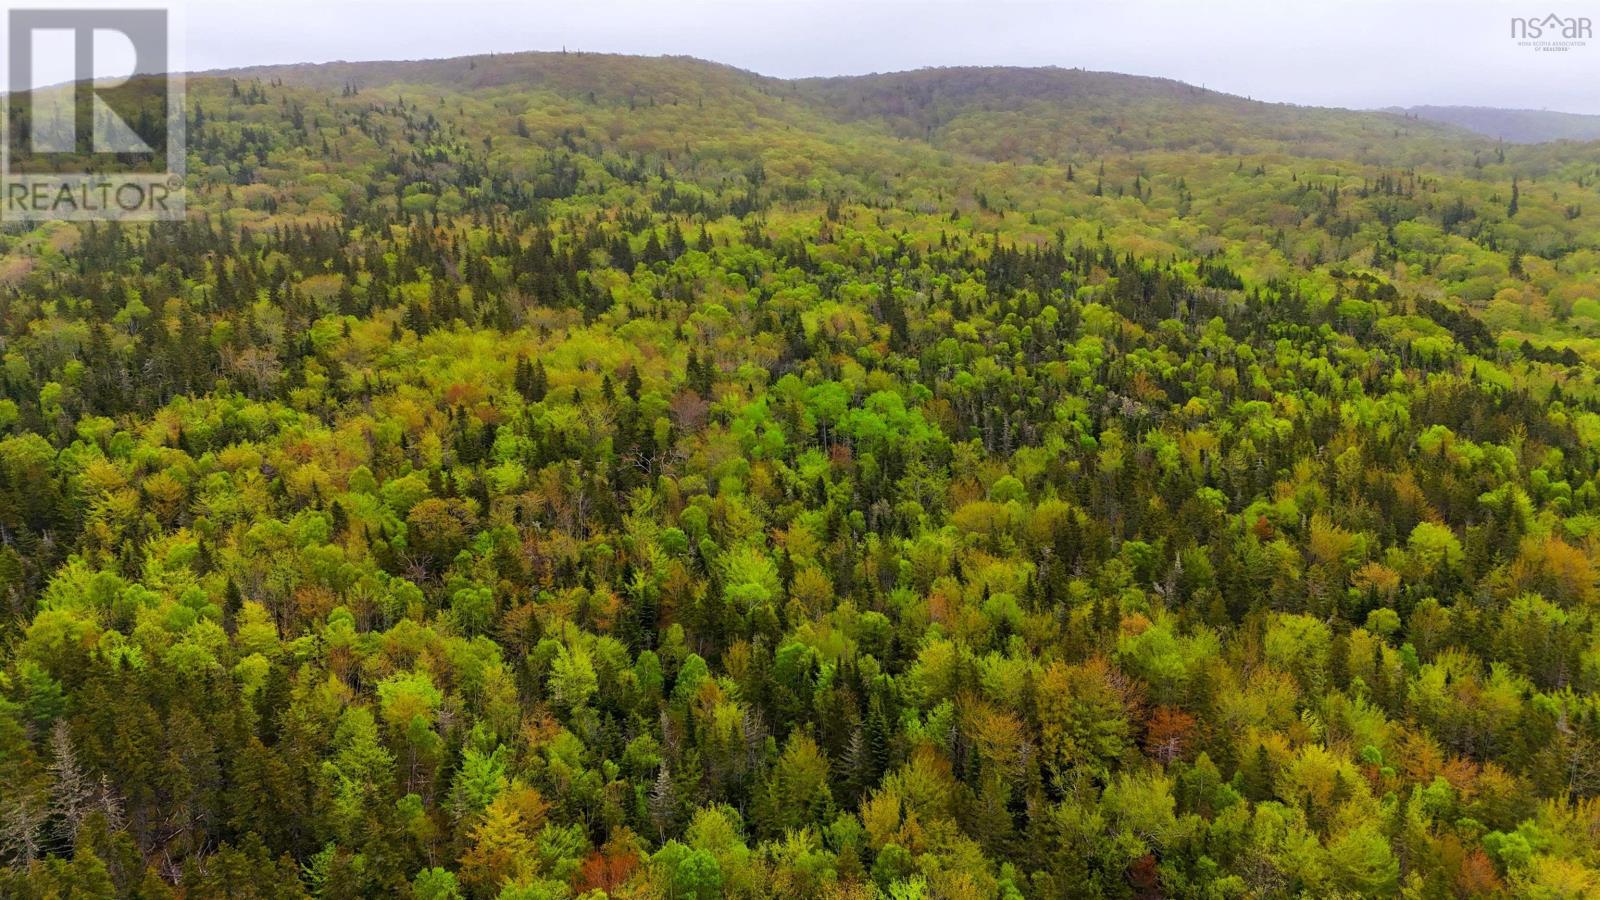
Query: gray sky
{"x": 1357, "y": 53}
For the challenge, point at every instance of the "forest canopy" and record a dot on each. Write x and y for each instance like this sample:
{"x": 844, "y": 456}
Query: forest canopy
{"x": 570, "y": 476}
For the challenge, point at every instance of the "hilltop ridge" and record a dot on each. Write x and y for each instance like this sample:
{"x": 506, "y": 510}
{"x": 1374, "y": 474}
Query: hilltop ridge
{"x": 1521, "y": 126}
{"x": 1078, "y": 110}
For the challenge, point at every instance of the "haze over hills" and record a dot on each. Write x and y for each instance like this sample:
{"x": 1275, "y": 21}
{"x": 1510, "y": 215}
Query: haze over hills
{"x": 571, "y": 477}
{"x": 1522, "y": 126}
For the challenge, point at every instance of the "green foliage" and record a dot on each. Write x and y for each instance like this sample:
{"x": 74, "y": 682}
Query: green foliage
{"x": 560, "y": 475}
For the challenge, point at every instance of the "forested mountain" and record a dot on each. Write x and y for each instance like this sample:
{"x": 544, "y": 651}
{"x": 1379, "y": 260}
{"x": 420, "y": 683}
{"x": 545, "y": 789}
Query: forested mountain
{"x": 565, "y": 475}
{"x": 1520, "y": 126}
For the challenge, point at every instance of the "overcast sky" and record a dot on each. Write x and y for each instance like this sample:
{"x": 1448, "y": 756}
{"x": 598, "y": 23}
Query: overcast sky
{"x": 1355, "y": 53}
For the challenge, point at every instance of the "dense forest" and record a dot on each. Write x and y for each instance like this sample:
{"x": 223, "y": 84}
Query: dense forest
{"x": 574, "y": 476}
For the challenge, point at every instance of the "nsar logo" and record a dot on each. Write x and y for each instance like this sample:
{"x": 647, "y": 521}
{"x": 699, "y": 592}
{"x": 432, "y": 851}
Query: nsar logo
{"x": 1552, "y": 32}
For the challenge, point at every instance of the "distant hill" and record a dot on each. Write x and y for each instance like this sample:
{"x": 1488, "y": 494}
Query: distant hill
{"x": 995, "y": 112}
{"x": 1519, "y": 126}
{"x": 1030, "y": 114}
{"x": 606, "y": 76}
